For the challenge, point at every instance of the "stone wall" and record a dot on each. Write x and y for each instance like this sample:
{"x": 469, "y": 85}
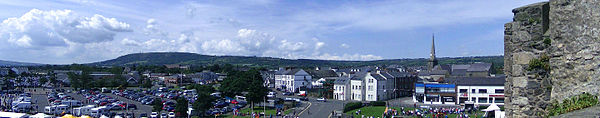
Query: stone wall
{"x": 523, "y": 42}
{"x": 565, "y": 32}
{"x": 575, "y": 34}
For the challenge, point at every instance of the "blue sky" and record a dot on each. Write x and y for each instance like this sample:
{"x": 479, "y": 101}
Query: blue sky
{"x": 82, "y": 31}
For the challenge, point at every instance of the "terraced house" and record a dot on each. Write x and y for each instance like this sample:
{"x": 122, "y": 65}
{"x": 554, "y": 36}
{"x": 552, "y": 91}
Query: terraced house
{"x": 292, "y": 80}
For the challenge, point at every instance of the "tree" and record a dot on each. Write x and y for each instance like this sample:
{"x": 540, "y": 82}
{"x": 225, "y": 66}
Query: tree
{"x": 146, "y": 83}
{"x": 181, "y": 107}
{"x": 203, "y": 102}
{"x": 157, "y": 105}
{"x": 201, "y": 88}
{"x": 43, "y": 80}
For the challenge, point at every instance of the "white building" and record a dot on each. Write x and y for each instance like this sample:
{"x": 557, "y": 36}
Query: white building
{"x": 341, "y": 88}
{"x": 480, "y": 90}
{"x": 356, "y": 89}
{"x": 372, "y": 86}
{"x": 292, "y": 80}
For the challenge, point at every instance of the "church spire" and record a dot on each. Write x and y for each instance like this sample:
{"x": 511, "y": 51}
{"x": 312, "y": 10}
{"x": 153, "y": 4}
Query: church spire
{"x": 432, "y": 60}
{"x": 432, "y": 47}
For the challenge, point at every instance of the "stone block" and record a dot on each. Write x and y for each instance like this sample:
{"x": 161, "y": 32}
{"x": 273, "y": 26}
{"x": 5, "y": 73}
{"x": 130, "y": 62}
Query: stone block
{"x": 519, "y": 81}
{"x": 517, "y": 70}
{"x": 523, "y": 57}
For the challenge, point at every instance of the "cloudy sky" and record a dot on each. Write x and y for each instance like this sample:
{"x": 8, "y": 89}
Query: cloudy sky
{"x": 82, "y": 31}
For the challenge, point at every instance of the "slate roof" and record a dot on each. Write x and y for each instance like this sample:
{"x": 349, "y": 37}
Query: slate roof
{"x": 359, "y": 76}
{"x": 438, "y": 72}
{"x": 378, "y": 77}
{"x": 398, "y": 74}
{"x": 479, "y": 67}
{"x": 341, "y": 80}
{"x": 287, "y": 72}
{"x": 476, "y": 81}
{"x": 322, "y": 73}
{"x": 461, "y": 66}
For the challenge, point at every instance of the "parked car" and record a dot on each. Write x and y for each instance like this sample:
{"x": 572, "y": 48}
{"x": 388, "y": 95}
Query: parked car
{"x": 163, "y": 115}
{"x": 321, "y": 99}
{"x": 154, "y": 115}
{"x": 171, "y": 115}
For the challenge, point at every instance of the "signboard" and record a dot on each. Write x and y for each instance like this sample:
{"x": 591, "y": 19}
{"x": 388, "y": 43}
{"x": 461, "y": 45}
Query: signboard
{"x": 496, "y": 95}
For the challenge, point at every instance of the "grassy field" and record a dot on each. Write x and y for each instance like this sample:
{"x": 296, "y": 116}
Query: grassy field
{"x": 377, "y": 111}
{"x": 269, "y": 111}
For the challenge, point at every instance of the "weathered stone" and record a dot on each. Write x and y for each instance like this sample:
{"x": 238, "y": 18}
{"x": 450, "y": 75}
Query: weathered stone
{"x": 520, "y": 82}
{"x": 522, "y": 57}
{"x": 517, "y": 70}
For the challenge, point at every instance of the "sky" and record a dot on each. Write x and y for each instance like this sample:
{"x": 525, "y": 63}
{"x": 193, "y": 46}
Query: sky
{"x": 84, "y": 31}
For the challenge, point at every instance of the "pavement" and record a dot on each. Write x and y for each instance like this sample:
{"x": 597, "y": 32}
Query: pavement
{"x": 313, "y": 108}
{"x": 318, "y": 109}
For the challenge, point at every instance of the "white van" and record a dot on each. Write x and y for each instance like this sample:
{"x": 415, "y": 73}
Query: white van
{"x": 22, "y": 107}
{"x": 57, "y": 109}
{"x": 72, "y": 103}
{"x": 84, "y": 110}
{"x": 98, "y": 111}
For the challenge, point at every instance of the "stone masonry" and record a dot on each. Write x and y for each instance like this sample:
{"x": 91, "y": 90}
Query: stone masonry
{"x": 523, "y": 41}
{"x": 566, "y": 31}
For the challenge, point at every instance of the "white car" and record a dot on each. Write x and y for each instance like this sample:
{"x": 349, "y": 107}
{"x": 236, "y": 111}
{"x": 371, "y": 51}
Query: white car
{"x": 171, "y": 115}
{"x": 154, "y": 115}
{"x": 321, "y": 99}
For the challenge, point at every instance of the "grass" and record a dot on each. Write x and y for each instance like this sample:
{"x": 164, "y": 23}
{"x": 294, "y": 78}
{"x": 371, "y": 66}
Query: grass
{"x": 269, "y": 111}
{"x": 377, "y": 111}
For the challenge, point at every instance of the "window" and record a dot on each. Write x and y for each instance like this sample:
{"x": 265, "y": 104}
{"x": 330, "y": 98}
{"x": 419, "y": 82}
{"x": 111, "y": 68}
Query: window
{"x": 370, "y": 80}
{"x": 482, "y": 100}
{"x": 499, "y": 100}
{"x": 499, "y": 90}
{"x": 482, "y": 90}
{"x": 473, "y": 91}
{"x": 370, "y": 88}
{"x": 463, "y": 90}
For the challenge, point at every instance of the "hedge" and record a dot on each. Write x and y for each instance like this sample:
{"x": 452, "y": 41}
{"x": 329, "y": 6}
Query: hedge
{"x": 352, "y": 105}
{"x": 378, "y": 103}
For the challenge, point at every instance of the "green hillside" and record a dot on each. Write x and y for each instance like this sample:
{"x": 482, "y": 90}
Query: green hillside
{"x": 161, "y": 58}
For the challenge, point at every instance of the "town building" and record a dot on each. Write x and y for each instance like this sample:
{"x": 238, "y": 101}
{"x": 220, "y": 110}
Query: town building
{"x": 459, "y": 90}
{"x": 292, "y": 79}
{"x": 20, "y": 70}
{"x": 4, "y": 71}
{"x": 321, "y": 76}
{"x": 479, "y": 90}
{"x": 341, "y": 88}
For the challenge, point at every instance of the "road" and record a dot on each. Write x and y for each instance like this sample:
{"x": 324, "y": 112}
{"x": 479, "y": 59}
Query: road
{"x": 318, "y": 109}
{"x": 313, "y": 108}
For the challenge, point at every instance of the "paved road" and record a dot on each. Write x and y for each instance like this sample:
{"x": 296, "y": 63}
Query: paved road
{"x": 319, "y": 109}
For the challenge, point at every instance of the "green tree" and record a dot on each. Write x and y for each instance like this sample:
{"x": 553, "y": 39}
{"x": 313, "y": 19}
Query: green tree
{"x": 157, "y": 105}
{"x": 203, "y": 102}
{"x": 146, "y": 83}
{"x": 43, "y": 80}
{"x": 181, "y": 107}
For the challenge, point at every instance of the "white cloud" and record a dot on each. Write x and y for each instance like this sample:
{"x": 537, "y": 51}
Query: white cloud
{"x": 343, "y": 45}
{"x": 358, "y": 57}
{"x": 57, "y": 27}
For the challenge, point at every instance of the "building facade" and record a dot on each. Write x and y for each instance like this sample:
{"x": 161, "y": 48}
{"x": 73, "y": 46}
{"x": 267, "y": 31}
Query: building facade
{"x": 292, "y": 80}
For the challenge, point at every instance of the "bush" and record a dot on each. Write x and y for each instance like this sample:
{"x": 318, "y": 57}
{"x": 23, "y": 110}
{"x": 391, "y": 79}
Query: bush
{"x": 352, "y": 105}
{"x": 571, "y": 104}
{"x": 378, "y": 103}
{"x": 541, "y": 63}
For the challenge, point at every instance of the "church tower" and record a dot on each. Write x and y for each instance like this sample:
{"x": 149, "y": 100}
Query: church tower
{"x": 432, "y": 60}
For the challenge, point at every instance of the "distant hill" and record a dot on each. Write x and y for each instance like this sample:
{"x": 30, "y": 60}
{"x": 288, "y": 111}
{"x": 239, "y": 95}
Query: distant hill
{"x": 13, "y": 63}
{"x": 161, "y": 58}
